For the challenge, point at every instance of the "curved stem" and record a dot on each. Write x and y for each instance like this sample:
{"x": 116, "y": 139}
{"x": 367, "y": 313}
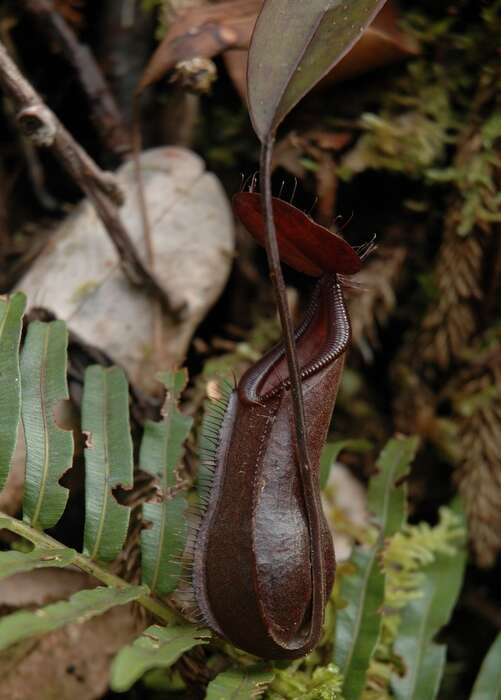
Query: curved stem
{"x": 39, "y": 538}
{"x": 308, "y": 478}
{"x": 278, "y": 283}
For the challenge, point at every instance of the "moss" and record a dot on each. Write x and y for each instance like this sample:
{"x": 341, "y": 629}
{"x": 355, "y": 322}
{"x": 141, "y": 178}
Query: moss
{"x": 404, "y": 561}
{"x": 291, "y": 684}
{"x": 422, "y": 115}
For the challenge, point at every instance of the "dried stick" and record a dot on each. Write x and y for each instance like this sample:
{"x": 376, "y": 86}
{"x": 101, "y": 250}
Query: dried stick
{"x": 102, "y": 189}
{"x": 34, "y": 167}
{"x": 158, "y": 326}
{"x": 104, "y": 110}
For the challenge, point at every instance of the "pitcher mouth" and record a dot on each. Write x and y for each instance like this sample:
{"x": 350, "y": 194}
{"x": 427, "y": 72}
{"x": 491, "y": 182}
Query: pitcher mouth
{"x": 329, "y": 334}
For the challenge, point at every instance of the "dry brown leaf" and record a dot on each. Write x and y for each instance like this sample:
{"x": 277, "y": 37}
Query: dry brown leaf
{"x": 202, "y": 32}
{"x": 320, "y": 147}
{"x": 70, "y": 663}
{"x": 227, "y": 27}
{"x": 80, "y": 280}
{"x": 41, "y": 587}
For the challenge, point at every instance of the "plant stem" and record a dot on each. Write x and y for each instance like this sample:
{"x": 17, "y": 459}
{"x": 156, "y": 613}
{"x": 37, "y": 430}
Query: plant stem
{"x": 278, "y": 283}
{"x": 39, "y": 538}
{"x": 308, "y": 478}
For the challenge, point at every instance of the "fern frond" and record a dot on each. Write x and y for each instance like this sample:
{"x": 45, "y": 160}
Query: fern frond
{"x": 332, "y": 450}
{"x": 404, "y": 559}
{"x": 49, "y": 449}
{"x": 358, "y": 622}
{"x": 80, "y": 607}
{"x": 240, "y": 684}
{"x": 13, "y": 562}
{"x": 108, "y": 460}
{"x": 42, "y": 541}
{"x": 11, "y": 315}
{"x": 324, "y": 683}
{"x": 162, "y": 544}
{"x": 423, "y": 617}
{"x": 158, "y": 647}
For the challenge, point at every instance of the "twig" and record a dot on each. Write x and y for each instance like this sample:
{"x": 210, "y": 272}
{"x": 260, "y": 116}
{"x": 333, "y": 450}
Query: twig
{"x": 158, "y": 326}
{"x": 102, "y": 189}
{"x": 104, "y": 110}
{"x": 34, "y": 167}
{"x": 136, "y": 155}
{"x": 4, "y": 219}
{"x": 122, "y": 45}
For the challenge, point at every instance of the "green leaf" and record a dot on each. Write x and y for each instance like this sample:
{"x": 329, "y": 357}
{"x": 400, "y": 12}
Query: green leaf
{"x": 422, "y": 618}
{"x": 79, "y": 608}
{"x": 108, "y": 460}
{"x": 158, "y": 647}
{"x": 161, "y": 451}
{"x": 488, "y": 683}
{"x": 14, "y": 562}
{"x": 313, "y": 37}
{"x": 49, "y": 449}
{"x": 386, "y": 502}
{"x": 299, "y": 682}
{"x": 11, "y": 314}
{"x": 358, "y": 623}
{"x": 239, "y": 684}
{"x": 332, "y": 450}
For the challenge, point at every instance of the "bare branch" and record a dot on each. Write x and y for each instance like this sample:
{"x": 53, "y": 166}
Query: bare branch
{"x": 101, "y": 188}
{"x": 104, "y": 110}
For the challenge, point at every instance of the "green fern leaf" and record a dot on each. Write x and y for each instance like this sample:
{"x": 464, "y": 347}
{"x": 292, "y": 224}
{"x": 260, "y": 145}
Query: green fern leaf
{"x": 240, "y": 684}
{"x": 386, "y": 502}
{"x": 14, "y": 562}
{"x": 158, "y": 647}
{"x": 422, "y": 618}
{"x": 332, "y": 450}
{"x": 291, "y": 683}
{"x": 49, "y": 449}
{"x": 11, "y": 314}
{"x": 161, "y": 451}
{"x": 358, "y": 623}
{"x": 488, "y": 683}
{"x": 108, "y": 460}
{"x": 79, "y": 608}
